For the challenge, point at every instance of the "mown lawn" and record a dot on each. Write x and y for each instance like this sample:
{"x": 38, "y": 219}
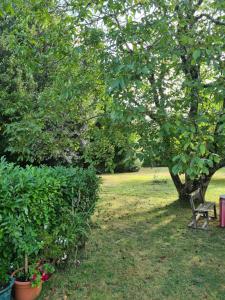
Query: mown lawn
{"x": 140, "y": 246}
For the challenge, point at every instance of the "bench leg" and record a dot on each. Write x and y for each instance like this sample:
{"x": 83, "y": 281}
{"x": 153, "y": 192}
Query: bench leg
{"x": 194, "y": 220}
{"x": 207, "y": 219}
{"x": 215, "y": 214}
{"x": 206, "y": 222}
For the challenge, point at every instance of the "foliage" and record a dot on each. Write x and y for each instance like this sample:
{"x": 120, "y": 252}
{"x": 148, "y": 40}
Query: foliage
{"x": 165, "y": 69}
{"x": 113, "y": 147}
{"x": 44, "y": 211}
{"x": 79, "y": 188}
{"x": 35, "y": 276}
{"x": 55, "y": 71}
{"x": 128, "y": 163}
{"x": 4, "y": 277}
{"x": 51, "y": 83}
{"x": 48, "y": 268}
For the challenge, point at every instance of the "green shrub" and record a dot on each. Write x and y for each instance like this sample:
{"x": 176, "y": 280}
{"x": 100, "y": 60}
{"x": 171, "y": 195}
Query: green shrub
{"x": 44, "y": 211}
{"x": 79, "y": 188}
{"x": 4, "y": 277}
{"x": 127, "y": 161}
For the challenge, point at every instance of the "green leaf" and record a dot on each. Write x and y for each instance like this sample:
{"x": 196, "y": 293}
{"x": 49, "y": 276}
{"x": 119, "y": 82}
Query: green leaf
{"x": 210, "y": 163}
{"x": 202, "y": 149}
{"x": 216, "y": 159}
{"x": 176, "y": 169}
{"x": 176, "y": 158}
{"x": 145, "y": 70}
{"x": 183, "y": 158}
{"x": 196, "y": 54}
{"x": 189, "y": 171}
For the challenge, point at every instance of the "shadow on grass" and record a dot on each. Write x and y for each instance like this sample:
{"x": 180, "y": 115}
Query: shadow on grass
{"x": 179, "y": 259}
{"x": 147, "y": 255}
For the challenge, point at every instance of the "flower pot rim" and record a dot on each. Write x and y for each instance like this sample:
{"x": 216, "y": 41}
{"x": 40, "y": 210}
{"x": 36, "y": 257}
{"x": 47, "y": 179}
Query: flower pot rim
{"x": 21, "y": 283}
{"x": 14, "y": 272}
{"x": 17, "y": 282}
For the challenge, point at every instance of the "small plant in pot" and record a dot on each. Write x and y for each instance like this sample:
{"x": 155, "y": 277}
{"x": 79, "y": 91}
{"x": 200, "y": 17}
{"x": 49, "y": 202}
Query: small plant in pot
{"x": 28, "y": 282}
{"x": 6, "y": 283}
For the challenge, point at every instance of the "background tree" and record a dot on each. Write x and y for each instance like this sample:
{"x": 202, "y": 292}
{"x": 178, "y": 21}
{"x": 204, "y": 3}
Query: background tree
{"x": 51, "y": 83}
{"x": 114, "y": 145}
{"x": 165, "y": 66}
{"x": 54, "y": 108}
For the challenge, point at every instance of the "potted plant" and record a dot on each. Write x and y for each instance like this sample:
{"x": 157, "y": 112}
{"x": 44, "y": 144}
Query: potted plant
{"x": 6, "y": 283}
{"x": 28, "y": 282}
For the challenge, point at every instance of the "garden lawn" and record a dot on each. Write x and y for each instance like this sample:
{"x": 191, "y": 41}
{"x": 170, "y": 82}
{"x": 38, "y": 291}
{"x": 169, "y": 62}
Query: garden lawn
{"x": 140, "y": 246}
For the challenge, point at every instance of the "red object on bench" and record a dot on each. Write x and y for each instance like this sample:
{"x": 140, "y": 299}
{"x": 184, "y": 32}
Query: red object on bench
{"x": 222, "y": 211}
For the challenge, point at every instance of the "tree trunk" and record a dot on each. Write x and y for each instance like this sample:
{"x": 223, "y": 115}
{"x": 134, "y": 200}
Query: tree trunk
{"x": 205, "y": 184}
{"x": 185, "y": 189}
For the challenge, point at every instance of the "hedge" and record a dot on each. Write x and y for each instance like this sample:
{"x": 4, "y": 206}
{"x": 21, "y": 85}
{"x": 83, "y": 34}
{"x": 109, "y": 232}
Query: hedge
{"x": 44, "y": 211}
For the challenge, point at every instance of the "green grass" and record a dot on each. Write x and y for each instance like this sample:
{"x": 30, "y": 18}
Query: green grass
{"x": 140, "y": 246}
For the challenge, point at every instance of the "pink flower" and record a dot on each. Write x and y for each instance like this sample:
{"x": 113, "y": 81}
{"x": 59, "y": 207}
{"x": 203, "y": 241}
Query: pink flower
{"x": 44, "y": 277}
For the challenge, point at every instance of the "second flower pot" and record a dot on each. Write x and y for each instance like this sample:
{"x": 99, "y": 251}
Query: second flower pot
{"x": 5, "y": 294}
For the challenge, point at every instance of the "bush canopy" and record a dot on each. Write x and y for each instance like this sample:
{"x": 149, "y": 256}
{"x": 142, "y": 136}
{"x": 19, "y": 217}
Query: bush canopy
{"x": 44, "y": 212}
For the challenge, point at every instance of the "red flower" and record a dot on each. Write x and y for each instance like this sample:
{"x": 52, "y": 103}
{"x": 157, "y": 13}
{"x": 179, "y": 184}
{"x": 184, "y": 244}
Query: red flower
{"x": 44, "y": 277}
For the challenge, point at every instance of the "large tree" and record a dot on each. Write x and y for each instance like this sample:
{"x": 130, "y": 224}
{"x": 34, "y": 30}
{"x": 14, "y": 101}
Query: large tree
{"x": 51, "y": 84}
{"x": 53, "y": 107}
{"x": 165, "y": 69}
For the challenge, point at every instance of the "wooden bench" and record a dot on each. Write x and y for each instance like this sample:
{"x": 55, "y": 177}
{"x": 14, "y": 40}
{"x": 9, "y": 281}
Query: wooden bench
{"x": 202, "y": 211}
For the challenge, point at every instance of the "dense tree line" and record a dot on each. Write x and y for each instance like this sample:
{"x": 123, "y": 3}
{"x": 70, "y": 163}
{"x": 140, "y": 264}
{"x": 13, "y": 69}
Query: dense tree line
{"x": 52, "y": 88}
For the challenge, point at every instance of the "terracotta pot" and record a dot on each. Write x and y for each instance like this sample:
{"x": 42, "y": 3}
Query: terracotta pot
{"x": 24, "y": 290}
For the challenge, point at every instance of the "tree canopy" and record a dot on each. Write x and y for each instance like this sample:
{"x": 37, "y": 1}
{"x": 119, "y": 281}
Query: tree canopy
{"x": 51, "y": 82}
{"x": 157, "y": 66}
{"x": 166, "y": 71}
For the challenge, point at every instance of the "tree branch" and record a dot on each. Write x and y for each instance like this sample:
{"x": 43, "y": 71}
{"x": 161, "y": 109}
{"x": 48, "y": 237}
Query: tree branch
{"x": 121, "y": 29}
{"x": 112, "y": 14}
{"x": 151, "y": 79}
{"x": 215, "y": 21}
{"x": 148, "y": 113}
{"x": 177, "y": 182}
